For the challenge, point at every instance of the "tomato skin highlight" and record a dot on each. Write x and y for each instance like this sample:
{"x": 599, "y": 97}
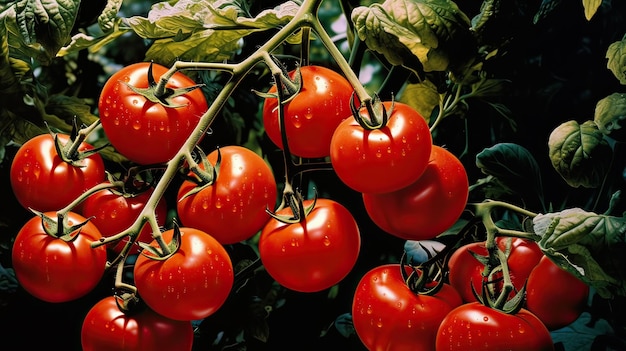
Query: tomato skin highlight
{"x": 106, "y": 328}
{"x": 313, "y": 114}
{"x": 144, "y": 131}
{"x": 233, "y": 208}
{"x": 314, "y": 254}
{"x": 382, "y": 160}
{"x": 465, "y": 270}
{"x": 113, "y": 212}
{"x": 42, "y": 181}
{"x": 192, "y": 284}
{"x": 427, "y": 207}
{"x": 388, "y": 316}
{"x": 54, "y": 270}
{"x": 476, "y": 327}
{"x": 555, "y": 295}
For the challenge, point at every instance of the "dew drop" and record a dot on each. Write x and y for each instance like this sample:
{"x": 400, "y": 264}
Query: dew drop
{"x": 136, "y": 125}
{"x": 296, "y": 121}
{"x": 326, "y": 240}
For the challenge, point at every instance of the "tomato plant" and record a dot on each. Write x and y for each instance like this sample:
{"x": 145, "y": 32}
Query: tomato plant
{"x": 388, "y": 315}
{"x": 315, "y": 253}
{"x": 58, "y": 268}
{"x": 428, "y": 206}
{"x": 312, "y": 115}
{"x": 468, "y": 68}
{"x": 190, "y": 284}
{"x": 467, "y": 271}
{"x": 107, "y": 327}
{"x": 42, "y": 180}
{"x": 113, "y": 211}
{"x": 473, "y": 326}
{"x": 148, "y": 130}
{"x": 555, "y": 295}
{"x": 232, "y": 208}
{"x": 382, "y": 159}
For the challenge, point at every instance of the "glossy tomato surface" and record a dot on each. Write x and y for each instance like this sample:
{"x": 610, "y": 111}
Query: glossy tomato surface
{"x": 476, "y": 327}
{"x": 148, "y": 132}
{"x": 465, "y": 270}
{"x": 313, "y": 114}
{"x": 555, "y": 295}
{"x": 191, "y": 284}
{"x": 315, "y": 253}
{"x": 54, "y": 270}
{"x": 427, "y": 207}
{"x": 113, "y": 212}
{"x": 42, "y": 181}
{"x": 106, "y": 327}
{"x": 233, "y": 208}
{"x": 385, "y": 159}
{"x": 387, "y": 315}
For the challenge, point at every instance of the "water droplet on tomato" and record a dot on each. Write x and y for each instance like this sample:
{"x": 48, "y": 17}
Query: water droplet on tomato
{"x": 379, "y": 323}
{"x": 135, "y": 101}
{"x": 369, "y": 309}
{"x": 136, "y": 125}
{"x": 485, "y": 318}
{"x": 296, "y": 121}
{"x": 113, "y": 214}
{"x": 521, "y": 329}
{"x": 408, "y": 324}
{"x": 326, "y": 240}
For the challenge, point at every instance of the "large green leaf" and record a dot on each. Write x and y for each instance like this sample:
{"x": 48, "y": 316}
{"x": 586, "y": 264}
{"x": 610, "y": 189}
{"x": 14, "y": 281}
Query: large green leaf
{"x": 588, "y": 245}
{"x": 402, "y": 30}
{"x": 609, "y": 116}
{"x": 616, "y": 55}
{"x": 579, "y": 153}
{"x": 203, "y": 30}
{"x": 513, "y": 168}
{"x": 37, "y": 28}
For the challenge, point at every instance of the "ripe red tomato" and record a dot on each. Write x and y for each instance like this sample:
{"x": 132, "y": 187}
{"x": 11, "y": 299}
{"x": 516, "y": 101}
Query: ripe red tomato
{"x": 148, "y": 132}
{"x": 382, "y": 160}
{"x": 232, "y": 209}
{"x": 427, "y": 207}
{"x": 476, "y": 327}
{"x": 555, "y": 295}
{"x": 466, "y": 270}
{"x": 42, "y": 181}
{"x": 387, "y": 315}
{"x": 105, "y": 327}
{"x": 113, "y": 212}
{"x": 314, "y": 254}
{"x": 191, "y": 284}
{"x": 54, "y": 270}
{"x": 313, "y": 114}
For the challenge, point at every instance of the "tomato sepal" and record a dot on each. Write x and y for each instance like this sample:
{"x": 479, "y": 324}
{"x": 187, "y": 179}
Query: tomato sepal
{"x": 167, "y": 250}
{"x": 378, "y": 115}
{"x": 163, "y": 96}
{"x": 64, "y": 231}
{"x": 295, "y": 201}
{"x": 203, "y": 176}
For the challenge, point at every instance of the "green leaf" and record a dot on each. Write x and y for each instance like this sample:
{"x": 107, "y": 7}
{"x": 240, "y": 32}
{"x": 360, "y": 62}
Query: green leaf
{"x": 513, "y": 169}
{"x": 40, "y": 28}
{"x": 588, "y": 245}
{"x": 546, "y": 7}
{"x": 205, "y": 30}
{"x": 8, "y": 81}
{"x": 579, "y": 153}
{"x": 616, "y": 55}
{"x": 591, "y": 7}
{"x": 609, "y": 115}
{"x": 423, "y": 97}
{"x": 403, "y": 30}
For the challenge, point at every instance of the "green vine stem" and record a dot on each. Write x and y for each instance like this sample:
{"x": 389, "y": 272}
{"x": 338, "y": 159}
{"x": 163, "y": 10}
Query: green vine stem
{"x": 305, "y": 17}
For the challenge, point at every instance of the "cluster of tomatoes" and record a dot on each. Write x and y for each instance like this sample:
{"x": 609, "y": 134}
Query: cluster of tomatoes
{"x": 383, "y": 151}
{"x": 388, "y": 314}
